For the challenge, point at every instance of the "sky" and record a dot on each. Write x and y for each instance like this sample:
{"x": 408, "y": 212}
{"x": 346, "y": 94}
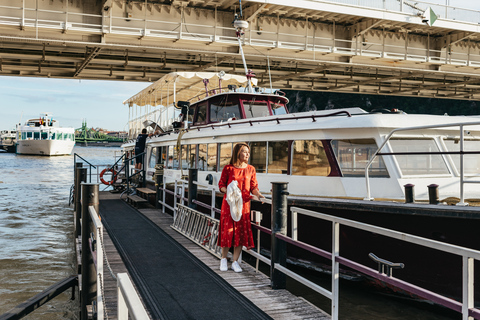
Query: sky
{"x": 98, "y": 102}
{"x": 69, "y": 101}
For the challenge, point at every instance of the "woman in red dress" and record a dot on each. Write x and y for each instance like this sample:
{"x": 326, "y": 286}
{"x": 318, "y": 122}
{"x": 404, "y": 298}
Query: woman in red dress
{"x": 237, "y": 233}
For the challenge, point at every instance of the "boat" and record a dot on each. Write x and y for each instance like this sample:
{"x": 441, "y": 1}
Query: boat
{"x": 44, "y": 136}
{"x": 345, "y": 162}
{"x": 7, "y": 140}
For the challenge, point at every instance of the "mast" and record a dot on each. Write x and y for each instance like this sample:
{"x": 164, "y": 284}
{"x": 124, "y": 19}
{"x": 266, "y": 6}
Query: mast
{"x": 240, "y": 26}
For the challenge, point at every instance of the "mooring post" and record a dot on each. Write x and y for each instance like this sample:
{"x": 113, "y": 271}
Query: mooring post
{"x": 89, "y": 275}
{"x": 77, "y": 165}
{"x": 279, "y": 225}
{"x": 158, "y": 185}
{"x": 80, "y": 176}
{"x": 433, "y": 193}
{"x": 192, "y": 187}
{"x": 409, "y": 193}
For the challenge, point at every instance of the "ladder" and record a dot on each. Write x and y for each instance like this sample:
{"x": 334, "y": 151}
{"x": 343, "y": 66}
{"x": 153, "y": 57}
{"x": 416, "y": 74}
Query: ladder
{"x": 198, "y": 227}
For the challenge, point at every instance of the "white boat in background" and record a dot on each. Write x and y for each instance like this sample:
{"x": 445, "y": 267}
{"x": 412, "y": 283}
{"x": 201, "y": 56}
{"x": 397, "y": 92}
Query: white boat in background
{"x": 43, "y": 136}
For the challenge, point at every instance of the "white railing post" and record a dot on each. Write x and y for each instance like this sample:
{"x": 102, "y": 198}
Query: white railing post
{"x": 335, "y": 268}
{"x": 129, "y": 303}
{"x": 294, "y": 225}
{"x": 212, "y": 209}
{"x": 467, "y": 287}
{"x": 462, "y": 176}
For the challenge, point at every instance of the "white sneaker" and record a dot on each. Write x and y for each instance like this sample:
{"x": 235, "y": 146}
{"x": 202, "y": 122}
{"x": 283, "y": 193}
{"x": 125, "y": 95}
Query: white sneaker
{"x": 236, "y": 267}
{"x": 223, "y": 264}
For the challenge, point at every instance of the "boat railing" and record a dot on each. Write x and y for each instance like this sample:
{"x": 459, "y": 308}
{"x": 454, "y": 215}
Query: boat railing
{"x": 384, "y": 271}
{"x": 129, "y": 303}
{"x": 461, "y": 126}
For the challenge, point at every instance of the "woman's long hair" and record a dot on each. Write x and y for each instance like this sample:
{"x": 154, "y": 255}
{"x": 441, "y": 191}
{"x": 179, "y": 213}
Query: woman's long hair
{"x": 236, "y": 152}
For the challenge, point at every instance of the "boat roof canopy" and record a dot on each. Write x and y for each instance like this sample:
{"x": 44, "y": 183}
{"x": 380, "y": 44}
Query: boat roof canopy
{"x": 182, "y": 86}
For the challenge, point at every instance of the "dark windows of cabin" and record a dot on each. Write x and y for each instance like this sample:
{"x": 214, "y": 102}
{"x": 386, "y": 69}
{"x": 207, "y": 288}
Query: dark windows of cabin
{"x": 184, "y": 156}
{"x": 201, "y": 116}
{"x": 225, "y": 154}
{"x": 212, "y": 157}
{"x": 418, "y": 164}
{"x": 153, "y": 158}
{"x": 258, "y": 156}
{"x": 309, "y": 158}
{"x": 255, "y": 109}
{"x": 471, "y": 162}
{"x": 353, "y": 156}
{"x": 192, "y": 156}
{"x": 277, "y": 157}
{"x": 202, "y": 157}
{"x": 222, "y": 109}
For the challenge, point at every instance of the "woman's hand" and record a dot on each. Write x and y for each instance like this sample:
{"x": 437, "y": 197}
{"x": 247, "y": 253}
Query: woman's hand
{"x": 258, "y": 197}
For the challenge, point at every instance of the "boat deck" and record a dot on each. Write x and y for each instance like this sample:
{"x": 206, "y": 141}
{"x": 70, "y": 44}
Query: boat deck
{"x": 276, "y": 304}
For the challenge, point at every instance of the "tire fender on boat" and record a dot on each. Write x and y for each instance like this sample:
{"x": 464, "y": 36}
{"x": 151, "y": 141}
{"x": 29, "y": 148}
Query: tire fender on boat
{"x": 114, "y": 176}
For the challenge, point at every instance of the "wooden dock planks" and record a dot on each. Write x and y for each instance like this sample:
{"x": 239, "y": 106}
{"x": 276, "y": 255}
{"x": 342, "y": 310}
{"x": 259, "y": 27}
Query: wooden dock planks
{"x": 278, "y": 304}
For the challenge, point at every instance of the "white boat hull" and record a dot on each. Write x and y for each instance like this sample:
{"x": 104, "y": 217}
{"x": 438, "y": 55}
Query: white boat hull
{"x": 45, "y": 147}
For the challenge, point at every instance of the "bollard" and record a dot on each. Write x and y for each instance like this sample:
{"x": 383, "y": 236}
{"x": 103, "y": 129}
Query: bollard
{"x": 433, "y": 193}
{"x": 192, "y": 187}
{"x": 158, "y": 185}
{"x": 89, "y": 275}
{"x": 409, "y": 193}
{"x": 279, "y": 225}
{"x": 80, "y": 176}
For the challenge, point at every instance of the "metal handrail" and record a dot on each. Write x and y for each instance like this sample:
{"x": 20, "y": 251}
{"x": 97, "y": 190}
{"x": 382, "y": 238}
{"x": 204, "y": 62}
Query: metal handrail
{"x": 461, "y": 153}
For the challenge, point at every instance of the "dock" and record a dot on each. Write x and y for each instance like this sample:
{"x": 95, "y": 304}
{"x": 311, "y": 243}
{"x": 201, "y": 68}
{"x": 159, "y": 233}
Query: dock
{"x": 253, "y": 286}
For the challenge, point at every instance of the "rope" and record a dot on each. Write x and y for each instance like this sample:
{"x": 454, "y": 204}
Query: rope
{"x": 105, "y": 314}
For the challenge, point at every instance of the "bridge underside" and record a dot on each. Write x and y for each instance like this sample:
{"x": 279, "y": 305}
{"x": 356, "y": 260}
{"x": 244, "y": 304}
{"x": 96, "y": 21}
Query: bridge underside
{"x": 322, "y": 47}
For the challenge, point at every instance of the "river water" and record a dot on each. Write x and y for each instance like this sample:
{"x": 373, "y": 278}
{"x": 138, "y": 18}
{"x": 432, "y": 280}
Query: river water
{"x": 36, "y": 245}
{"x": 36, "y": 228}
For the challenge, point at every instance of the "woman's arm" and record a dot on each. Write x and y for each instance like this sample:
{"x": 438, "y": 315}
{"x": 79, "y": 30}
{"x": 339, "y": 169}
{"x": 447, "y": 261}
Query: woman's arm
{"x": 257, "y": 195}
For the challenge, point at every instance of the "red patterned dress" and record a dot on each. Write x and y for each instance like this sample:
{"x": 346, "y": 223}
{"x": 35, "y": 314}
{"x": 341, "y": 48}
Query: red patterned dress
{"x": 241, "y": 231}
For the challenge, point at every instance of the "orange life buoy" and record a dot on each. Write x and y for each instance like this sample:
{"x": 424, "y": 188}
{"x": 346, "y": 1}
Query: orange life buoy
{"x": 114, "y": 176}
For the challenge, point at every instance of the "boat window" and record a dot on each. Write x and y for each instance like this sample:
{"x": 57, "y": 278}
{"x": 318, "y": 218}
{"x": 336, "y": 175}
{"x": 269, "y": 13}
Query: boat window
{"x": 202, "y": 157}
{"x": 471, "y": 162}
{"x": 254, "y": 109}
{"x": 418, "y": 164}
{"x": 258, "y": 156}
{"x": 192, "y": 158}
{"x": 171, "y": 158}
{"x": 277, "y": 157}
{"x": 201, "y": 114}
{"x": 278, "y": 108}
{"x": 44, "y": 135}
{"x": 59, "y": 136}
{"x": 163, "y": 155}
{"x": 354, "y": 154}
{"x": 212, "y": 157}
{"x": 225, "y": 154}
{"x": 184, "y": 156}
{"x": 309, "y": 159}
{"x": 224, "y": 110}
{"x": 36, "y": 135}
{"x": 152, "y": 161}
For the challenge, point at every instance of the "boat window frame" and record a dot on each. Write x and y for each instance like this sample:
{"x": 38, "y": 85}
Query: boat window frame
{"x": 342, "y": 172}
{"x": 219, "y": 98}
{"x": 262, "y": 100}
{"x": 332, "y": 165}
{"x": 446, "y": 162}
{"x": 197, "y": 111}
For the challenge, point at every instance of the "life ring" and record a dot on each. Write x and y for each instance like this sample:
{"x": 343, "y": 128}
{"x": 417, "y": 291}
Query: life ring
{"x": 114, "y": 176}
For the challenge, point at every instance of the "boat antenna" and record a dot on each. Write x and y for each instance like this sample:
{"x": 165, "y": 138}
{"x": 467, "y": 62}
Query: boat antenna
{"x": 240, "y": 26}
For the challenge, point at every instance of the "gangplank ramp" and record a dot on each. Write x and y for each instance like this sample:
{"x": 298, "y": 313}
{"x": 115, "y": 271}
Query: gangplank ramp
{"x": 173, "y": 283}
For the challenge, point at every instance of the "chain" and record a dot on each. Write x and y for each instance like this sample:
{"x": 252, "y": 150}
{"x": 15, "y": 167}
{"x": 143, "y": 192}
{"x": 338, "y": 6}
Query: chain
{"x": 105, "y": 257}
{"x": 105, "y": 314}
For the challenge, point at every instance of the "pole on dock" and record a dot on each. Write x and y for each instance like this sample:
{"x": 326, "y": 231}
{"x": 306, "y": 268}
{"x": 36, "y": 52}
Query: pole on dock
{"x": 433, "y": 193}
{"x": 80, "y": 176}
{"x": 279, "y": 225}
{"x": 89, "y": 278}
{"x": 409, "y": 193}
{"x": 158, "y": 185}
{"x": 192, "y": 187}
